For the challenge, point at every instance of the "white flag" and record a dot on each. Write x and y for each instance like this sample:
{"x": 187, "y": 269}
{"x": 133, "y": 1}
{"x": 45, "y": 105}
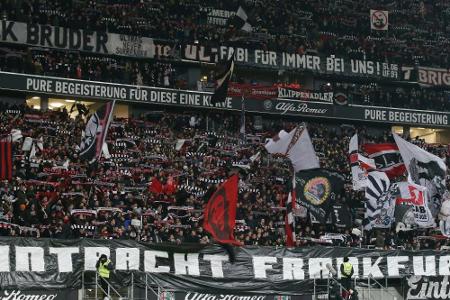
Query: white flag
{"x": 424, "y": 169}
{"x": 359, "y": 164}
{"x": 297, "y": 146}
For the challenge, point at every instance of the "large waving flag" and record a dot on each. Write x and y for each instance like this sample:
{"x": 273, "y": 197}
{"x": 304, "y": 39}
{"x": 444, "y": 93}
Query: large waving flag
{"x": 411, "y": 207}
{"x": 297, "y": 146}
{"x": 220, "y": 212}
{"x": 6, "y": 158}
{"x": 387, "y": 158}
{"x": 424, "y": 169}
{"x": 95, "y": 133}
{"x": 317, "y": 189}
{"x": 222, "y": 76}
{"x": 359, "y": 165}
{"x": 380, "y": 202}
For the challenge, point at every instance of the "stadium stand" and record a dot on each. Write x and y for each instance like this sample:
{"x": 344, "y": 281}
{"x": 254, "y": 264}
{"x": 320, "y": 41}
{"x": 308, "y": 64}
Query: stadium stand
{"x": 127, "y": 125}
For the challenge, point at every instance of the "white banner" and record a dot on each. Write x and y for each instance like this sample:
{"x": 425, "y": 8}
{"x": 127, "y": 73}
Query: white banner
{"x": 74, "y": 39}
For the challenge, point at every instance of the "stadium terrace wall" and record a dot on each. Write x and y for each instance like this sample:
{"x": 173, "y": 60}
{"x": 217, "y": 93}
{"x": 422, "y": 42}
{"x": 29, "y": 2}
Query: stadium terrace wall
{"x": 82, "y": 89}
{"x": 27, "y": 263}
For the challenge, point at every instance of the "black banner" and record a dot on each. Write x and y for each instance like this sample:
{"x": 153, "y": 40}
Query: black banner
{"x": 291, "y": 61}
{"x": 82, "y": 89}
{"x": 63, "y": 294}
{"x": 169, "y": 295}
{"x": 317, "y": 190}
{"x": 423, "y": 288}
{"x": 27, "y": 263}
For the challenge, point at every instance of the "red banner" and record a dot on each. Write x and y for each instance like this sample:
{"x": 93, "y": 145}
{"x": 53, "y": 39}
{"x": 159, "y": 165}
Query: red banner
{"x": 387, "y": 158}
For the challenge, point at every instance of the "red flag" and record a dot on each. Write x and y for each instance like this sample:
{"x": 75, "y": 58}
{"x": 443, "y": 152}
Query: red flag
{"x": 220, "y": 212}
{"x": 170, "y": 187}
{"x": 387, "y": 158}
{"x": 156, "y": 186}
{"x": 6, "y": 159}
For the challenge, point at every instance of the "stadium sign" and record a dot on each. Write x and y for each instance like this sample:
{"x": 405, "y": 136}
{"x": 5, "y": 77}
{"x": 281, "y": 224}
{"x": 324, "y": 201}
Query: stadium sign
{"x": 292, "y": 61}
{"x": 83, "y": 89}
{"x": 76, "y": 39}
{"x": 428, "y": 76}
{"x": 63, "y": 294}
{"x": 135, "y": 46}
{"x": 53, "y": 264}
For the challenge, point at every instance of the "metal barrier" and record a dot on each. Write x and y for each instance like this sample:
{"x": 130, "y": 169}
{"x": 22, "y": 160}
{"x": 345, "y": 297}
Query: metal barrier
{"x": 99, "y": 291}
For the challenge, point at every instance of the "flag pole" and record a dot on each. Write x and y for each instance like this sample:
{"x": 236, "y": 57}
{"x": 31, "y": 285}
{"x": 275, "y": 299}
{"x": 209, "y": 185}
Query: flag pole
{"x": 242, "y": 128}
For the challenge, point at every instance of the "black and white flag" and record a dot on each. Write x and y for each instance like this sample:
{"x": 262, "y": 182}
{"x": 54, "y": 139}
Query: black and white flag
{"x": 380, "y": 203}
{"x": 411, "y": 207}
{"x": 425, "y": 169}
{"x": 222, "y": 76}
{"x": 359, "y": 164}
{"x": 95, "y": 133}
{"x": 240, "y": 21}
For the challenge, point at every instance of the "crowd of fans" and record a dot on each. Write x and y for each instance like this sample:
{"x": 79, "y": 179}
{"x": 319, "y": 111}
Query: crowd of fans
{"x": 68, "y": 64}
{"x": 160, "y": 171}
{"x": 394, "y": 96}
{"x": 418, "y": 29}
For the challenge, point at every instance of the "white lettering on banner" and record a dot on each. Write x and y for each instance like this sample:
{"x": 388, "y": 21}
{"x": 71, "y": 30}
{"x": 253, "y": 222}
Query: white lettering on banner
{"x": 198, "y": 296}
{"x": 4, "y": 259}
{"x": 370, "y": 269}
{"x": 427, "y": 269}
{"x": 318, "y": 267}
{"x": 216, "y": 264}
{"x": 91, "y": 256}
{"x": 395, "y": 263}
{"x": 186, "y": 264}
{"x": 433, "y": 76}
{"x": 444, "y": 265}
{"x": 261, "y": 264}
{"x": 127, "y": 259}
{"x": 150, "y": 261}
{"x": 397, "y": 116}
{"x": 64, "y": 255}
{"x": 293, "y": 268}
{"x": 17, "y": 295}
{"x": 286, "y": 107}
{"x": 74, "y": 39}
{"x": 421, "y": 287}
{"x": 30, "y": 259}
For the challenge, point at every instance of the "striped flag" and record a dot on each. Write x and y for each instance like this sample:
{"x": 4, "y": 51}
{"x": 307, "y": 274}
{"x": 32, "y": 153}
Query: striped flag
{"x": 6, "y": 158}
{"x": 95, "y": 133}
{"x": 380, "y": 202}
